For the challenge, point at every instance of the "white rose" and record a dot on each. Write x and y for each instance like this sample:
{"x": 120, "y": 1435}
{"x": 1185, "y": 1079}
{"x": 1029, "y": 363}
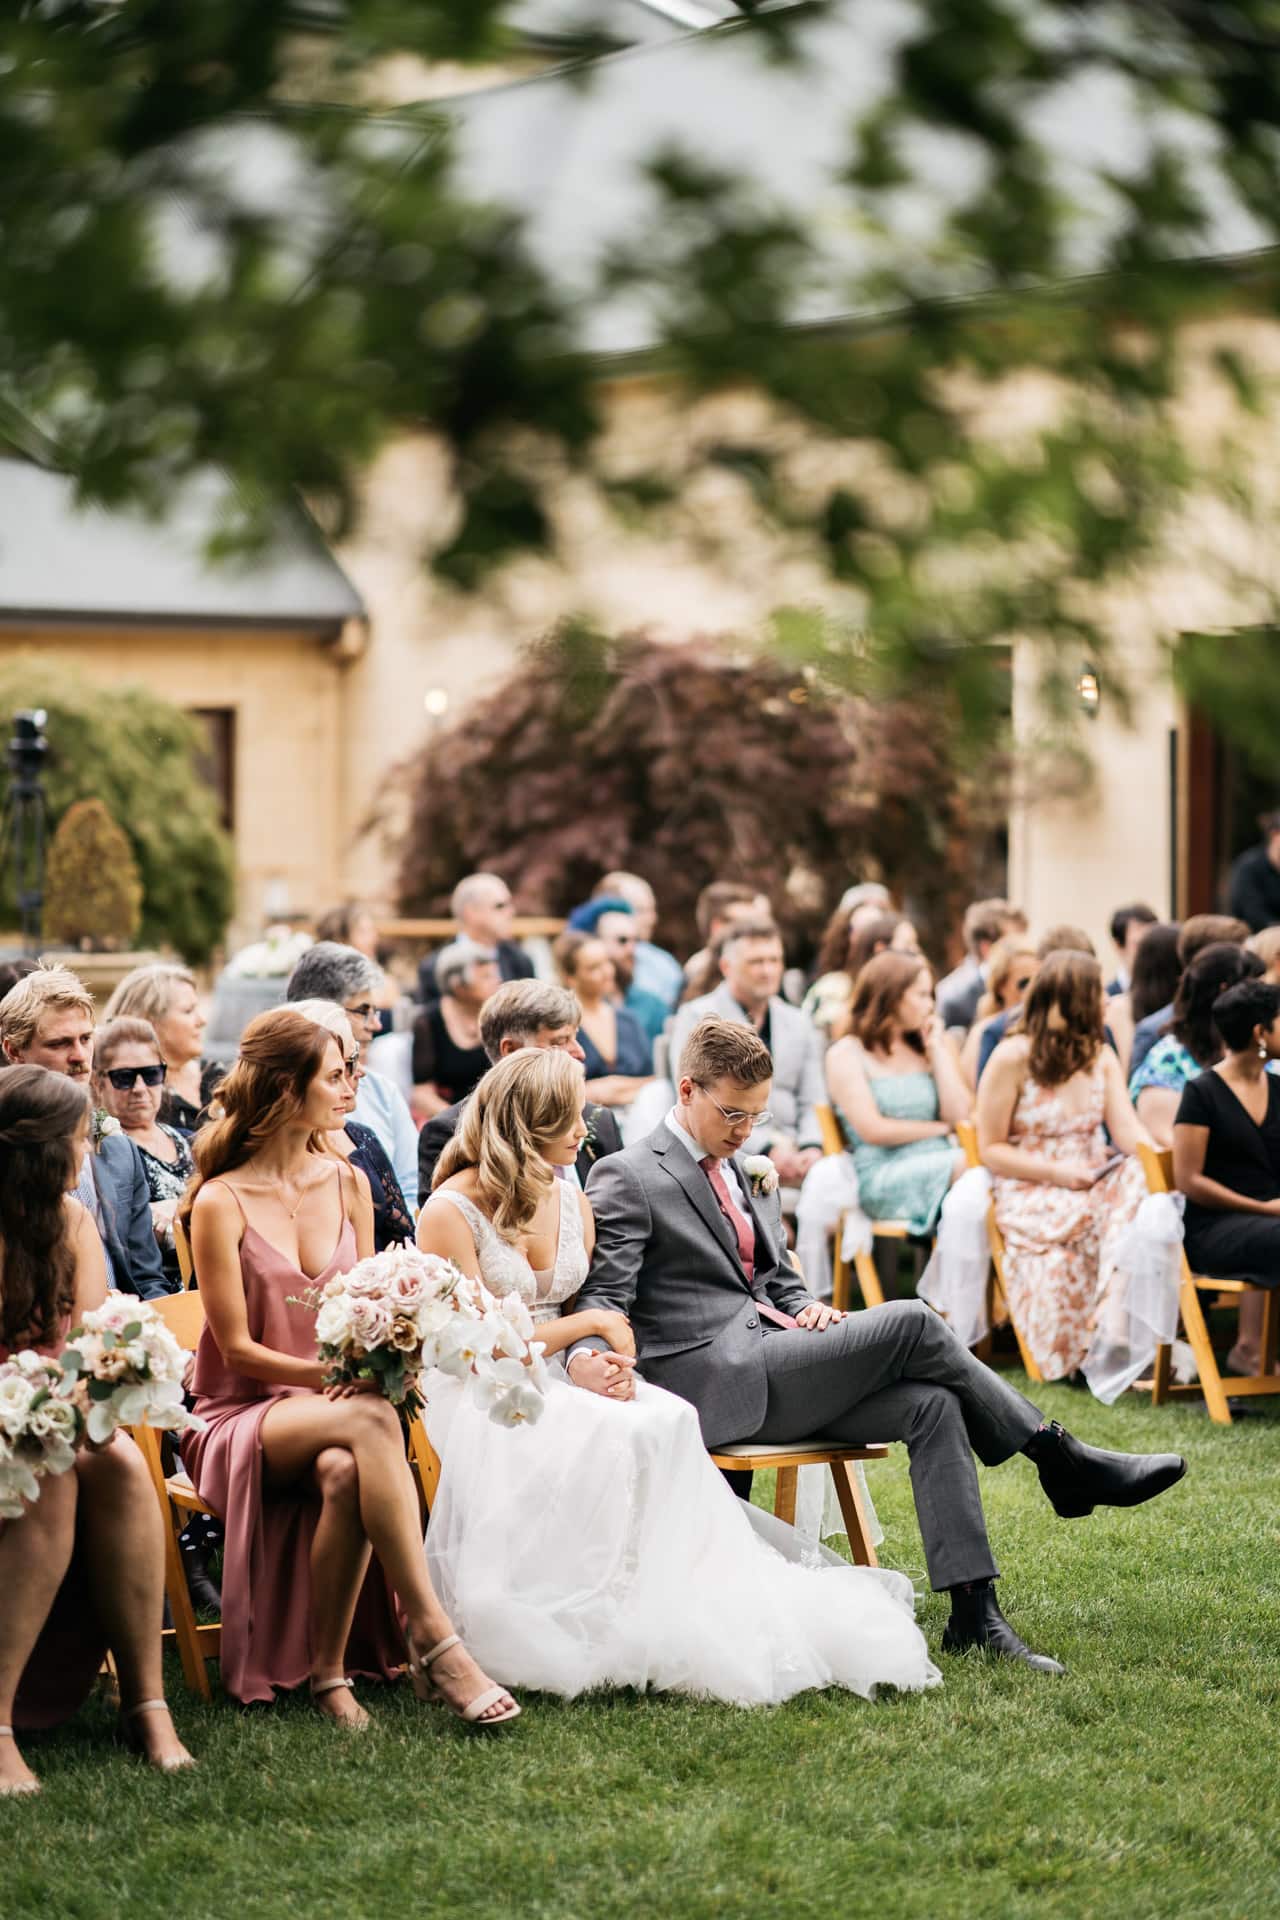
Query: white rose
{"x": 16, "y": 1395}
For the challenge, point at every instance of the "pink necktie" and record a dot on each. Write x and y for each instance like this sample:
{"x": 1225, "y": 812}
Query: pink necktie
{"x": 744, "y": 1234}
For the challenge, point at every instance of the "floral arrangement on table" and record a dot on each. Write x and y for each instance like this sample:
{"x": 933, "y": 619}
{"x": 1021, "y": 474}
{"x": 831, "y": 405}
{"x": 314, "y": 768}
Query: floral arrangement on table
{"x": 127, "y": 1369}
{"x": 402, "y": 1311}
{"x": 274, "y": 956}
{"x": 40, "y": 1427}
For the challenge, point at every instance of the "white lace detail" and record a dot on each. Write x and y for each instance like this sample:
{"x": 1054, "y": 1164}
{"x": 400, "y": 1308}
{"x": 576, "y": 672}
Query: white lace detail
{"x": 504, "y": 1269}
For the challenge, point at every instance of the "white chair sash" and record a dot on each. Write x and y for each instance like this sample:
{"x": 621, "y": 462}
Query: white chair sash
{"x": 818, "y": 1515}
{"x": 1139, "y": 1307}
{"x": 955, "y": 1280}
{"x": 830, "y": 1190}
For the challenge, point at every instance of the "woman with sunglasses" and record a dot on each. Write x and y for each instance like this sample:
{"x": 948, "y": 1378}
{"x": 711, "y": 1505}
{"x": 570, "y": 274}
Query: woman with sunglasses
{"x": 129, "y": 1078}
{"x": 1012, "y": 965}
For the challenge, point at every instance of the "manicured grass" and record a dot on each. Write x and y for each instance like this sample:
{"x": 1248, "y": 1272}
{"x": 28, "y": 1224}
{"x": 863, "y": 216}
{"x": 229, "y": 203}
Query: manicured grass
{"x": 1143, "y": 1785}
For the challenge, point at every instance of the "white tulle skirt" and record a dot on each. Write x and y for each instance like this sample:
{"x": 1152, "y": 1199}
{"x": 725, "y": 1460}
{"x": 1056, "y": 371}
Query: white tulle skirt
{"x": 601, "y": 1548}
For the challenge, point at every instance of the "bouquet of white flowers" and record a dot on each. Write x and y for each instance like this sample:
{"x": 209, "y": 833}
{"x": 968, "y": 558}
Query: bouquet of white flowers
{"x": 40, "y": 1425}
{"x": 402, "y": 1311}
{"x": 128, "y": 1368}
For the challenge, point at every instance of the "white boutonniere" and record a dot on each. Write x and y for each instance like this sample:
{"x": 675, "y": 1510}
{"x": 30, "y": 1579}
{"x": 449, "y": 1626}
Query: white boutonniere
{"x": 761, "y": 1172}
{"x": 104, "y": 1125}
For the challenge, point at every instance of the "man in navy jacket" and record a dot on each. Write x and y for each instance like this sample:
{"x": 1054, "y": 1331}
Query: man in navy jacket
{"x": 46, "y": 1020}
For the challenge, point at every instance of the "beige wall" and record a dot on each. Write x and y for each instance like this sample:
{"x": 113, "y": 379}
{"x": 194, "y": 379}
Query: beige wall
{"x": 286, "y": 690}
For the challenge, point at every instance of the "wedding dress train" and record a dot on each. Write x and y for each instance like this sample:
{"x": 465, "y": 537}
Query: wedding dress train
{"x": 601, "y": 1548}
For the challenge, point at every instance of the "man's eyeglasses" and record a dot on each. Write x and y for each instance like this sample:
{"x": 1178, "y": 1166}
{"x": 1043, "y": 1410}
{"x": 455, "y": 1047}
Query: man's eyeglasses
{"x": 352, "y": 1065}
{"x": 365, "y": 1011}
{"x": 122, "y": 1078}
{"x": 734, "y": 1115}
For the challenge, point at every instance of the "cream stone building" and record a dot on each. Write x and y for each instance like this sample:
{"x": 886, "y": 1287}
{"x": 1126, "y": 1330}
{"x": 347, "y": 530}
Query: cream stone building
{"x": 319, "y": 675}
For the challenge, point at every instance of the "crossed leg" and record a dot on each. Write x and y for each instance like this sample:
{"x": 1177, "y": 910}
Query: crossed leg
{"x": 368, "y": 1504}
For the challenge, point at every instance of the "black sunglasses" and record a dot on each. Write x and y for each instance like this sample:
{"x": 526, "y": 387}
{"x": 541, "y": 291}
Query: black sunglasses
{"x": 122, "y": 1078}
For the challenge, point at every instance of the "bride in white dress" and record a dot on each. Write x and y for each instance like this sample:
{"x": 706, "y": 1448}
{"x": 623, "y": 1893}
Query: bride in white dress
{"x": 600, "y": 1547}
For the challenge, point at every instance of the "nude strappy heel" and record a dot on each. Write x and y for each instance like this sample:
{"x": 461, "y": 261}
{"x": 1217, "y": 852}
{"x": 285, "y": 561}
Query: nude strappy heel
{"x": 419, "y": 1671}
{"x": 133, "y": 1739}
{"x": 331, "y": 1686}
{"x": 20, "y": 1788}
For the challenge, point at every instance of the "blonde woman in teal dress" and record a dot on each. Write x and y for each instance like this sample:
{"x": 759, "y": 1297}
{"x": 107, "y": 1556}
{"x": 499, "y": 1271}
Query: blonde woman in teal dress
{"x": 898, "y": 1092}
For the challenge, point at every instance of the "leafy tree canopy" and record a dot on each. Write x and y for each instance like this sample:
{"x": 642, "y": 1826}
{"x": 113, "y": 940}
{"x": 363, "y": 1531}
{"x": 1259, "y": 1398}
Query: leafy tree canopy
{"x": 689, "y": 764}
{"x": 139, "y": 756}
{"x": 162, "y": 308}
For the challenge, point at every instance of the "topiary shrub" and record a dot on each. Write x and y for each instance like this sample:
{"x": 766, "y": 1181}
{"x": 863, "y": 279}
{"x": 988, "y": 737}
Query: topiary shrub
{"x": 93, "y": 891}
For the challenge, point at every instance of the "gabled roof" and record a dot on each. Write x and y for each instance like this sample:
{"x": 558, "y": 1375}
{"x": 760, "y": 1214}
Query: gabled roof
{"x": 625, "y": 23}
{"x": 63, "y": 562}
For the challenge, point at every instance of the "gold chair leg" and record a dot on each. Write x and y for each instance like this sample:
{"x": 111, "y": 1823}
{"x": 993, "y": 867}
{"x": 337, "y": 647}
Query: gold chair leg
{"x": 784, "y": 1499}
{"x": 839, "y": 1274}
{"x": 868, "y": 1279}
{"x": 1206, "y": 1361}
{"x": 182, "y": 1613}
{"x": 854, "y": 1513}
{"x": 1160, "y": 1378}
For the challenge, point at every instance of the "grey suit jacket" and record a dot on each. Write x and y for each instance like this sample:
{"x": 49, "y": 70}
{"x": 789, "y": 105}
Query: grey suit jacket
{"x": 125, "y": 1200}
{"x": 665, "y": 1257}
{"x": 799, "y": 1084}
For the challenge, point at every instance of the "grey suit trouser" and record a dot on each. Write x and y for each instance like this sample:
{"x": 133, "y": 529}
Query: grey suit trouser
{"x": 898, "y": 1372}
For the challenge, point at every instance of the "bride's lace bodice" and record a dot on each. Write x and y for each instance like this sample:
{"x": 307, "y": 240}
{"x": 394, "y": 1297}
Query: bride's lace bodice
{"x": 504, "y": 1269}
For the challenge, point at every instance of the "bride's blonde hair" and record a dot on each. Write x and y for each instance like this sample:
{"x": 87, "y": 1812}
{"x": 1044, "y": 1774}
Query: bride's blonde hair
{"x": 524, "y": 1103}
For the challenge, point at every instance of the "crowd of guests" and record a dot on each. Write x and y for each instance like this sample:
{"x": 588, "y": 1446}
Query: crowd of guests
{"x": 1064, "y": 1072}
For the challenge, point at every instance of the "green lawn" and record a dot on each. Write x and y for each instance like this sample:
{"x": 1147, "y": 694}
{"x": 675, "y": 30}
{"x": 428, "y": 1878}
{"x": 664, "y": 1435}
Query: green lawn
{"x": 1144, "y": 1784}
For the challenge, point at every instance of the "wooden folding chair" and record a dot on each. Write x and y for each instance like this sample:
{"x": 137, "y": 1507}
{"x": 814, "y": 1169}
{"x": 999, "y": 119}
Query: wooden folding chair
{"x": 967, "y": 1135}
{"x": 183, "y": 1313}
{"x": 425, "y": 1462}
{"x": 183, "y": 1248}
{"x": 1158, "y": 1168}
{"x": 751, "y": 1457}
{"x": 864, "y": 1265}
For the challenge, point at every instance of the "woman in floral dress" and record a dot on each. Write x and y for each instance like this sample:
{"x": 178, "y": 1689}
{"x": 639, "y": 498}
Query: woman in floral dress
{"x": 1062, "y": 1191}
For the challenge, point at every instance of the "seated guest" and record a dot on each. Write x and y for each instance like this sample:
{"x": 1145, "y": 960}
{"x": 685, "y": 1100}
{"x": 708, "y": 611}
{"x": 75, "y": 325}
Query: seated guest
{"x": 1200, "y": 931}
{"x": 166, "y": 997}
{"x": 11, "y": 971}
{"x": 330, "y": 972}
{"x": 617, "y": 1056}
{"x": 898, "y": 1093}
{"x": 128, "y": 1084}
{"x": 360, "y": 1145}
{"x": 82, "y": 1569}
{"x": 1062, "y": 1192}
{"x": 751, "y": 961}
{"x": 1267, "y": 947}
{"x": 612, "y": 922}
{"x": 960, "y": 991}
{"x": 869, "y": 931}
{"x": 1154, "y": 981}
{"x": 47, "y": 1021}
{"x": 1255, "y": 879}
{"x": 657, "y": 972}
{"x": 484, "y": 910}
{"x": 1226, "y": 1158}
{"x": 717, "y": 907}
{"x": 526, "y": 1013}
{"x": 354, "y": 924}
{"x": 448, "y": 1059}
{"x": 1192, "y": 1042}
{"x": 1128, "y": 925}
{"x": 1063, "y": 939}
{"x": 323, "y": 1540}
{"x": 1012, "y": 964}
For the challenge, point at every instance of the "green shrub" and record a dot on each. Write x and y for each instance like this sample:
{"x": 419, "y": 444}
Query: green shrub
{"x": 92, "y": 888}
{"x": 139, "y": 755}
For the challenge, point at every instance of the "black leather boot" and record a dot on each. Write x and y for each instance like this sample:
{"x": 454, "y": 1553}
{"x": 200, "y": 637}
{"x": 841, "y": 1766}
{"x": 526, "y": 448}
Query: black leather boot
{"x": 206, "y": 1596}
{"x": 976, "y": 1621}
{"x": 1077, "y": 1478}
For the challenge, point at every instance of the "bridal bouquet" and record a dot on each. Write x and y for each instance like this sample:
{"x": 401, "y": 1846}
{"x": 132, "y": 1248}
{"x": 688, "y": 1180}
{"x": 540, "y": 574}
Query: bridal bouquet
{"x": 127, "y": 1368}
{"x": 40, "y": 1425}
{"x": 402, "y": 1311}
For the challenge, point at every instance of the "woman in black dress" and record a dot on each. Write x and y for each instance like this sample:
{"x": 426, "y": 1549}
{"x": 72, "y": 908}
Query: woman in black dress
{"x": 1226, "y": 1144}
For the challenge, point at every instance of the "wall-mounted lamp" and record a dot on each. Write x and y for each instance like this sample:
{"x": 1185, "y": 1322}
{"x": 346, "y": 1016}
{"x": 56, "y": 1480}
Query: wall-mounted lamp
{"x": 1089, "y": 690}
{"x": 436, "y": 701}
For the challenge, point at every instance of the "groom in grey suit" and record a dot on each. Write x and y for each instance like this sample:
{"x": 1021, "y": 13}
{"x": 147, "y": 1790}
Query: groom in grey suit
{"x": 693, "y": 1254}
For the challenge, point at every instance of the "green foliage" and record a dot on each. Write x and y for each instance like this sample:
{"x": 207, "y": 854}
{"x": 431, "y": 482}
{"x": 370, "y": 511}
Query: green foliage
{"x": 138, "y": 755}
{"x": 689, "y": 764}
{"x": 92, "y": 890}
{"x": 972, "y": 233}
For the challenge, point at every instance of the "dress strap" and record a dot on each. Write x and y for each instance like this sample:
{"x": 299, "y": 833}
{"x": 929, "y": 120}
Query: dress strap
{"x": 470, "y": 1213}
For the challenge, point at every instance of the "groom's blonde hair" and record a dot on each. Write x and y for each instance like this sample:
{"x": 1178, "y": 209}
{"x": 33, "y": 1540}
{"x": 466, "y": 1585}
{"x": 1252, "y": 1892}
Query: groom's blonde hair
{"x": 725, "y": 1050}
{"x": 526, "y": 1101}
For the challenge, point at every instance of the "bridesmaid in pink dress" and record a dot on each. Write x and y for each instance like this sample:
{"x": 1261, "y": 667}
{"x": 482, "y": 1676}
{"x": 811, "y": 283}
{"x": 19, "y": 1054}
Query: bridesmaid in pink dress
{"x": 83, "y": 1569}
{"x": 1063, "y": 1191}
{"x": 323, "y": 1531}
